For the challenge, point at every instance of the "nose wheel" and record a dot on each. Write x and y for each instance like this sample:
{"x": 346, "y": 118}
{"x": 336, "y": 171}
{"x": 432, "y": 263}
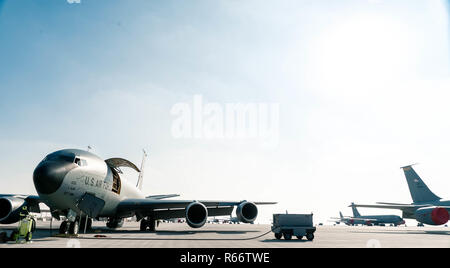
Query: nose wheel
{"x": 74, "y": 228}
{"x": 69, "y": 228}
{"x": 64, "y": 228}
{"x": 83, "y": 225}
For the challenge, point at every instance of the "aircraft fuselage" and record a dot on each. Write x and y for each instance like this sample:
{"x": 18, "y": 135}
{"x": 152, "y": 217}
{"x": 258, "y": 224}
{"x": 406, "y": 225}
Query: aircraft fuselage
{"x": 87, "y": 173}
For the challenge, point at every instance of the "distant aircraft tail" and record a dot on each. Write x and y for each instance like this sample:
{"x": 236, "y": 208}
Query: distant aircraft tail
{"x": 141, "y": 174}
{"x": 342, "y": 216}
{"x": 418, "y": 189}
{"x": 355, "y": 211}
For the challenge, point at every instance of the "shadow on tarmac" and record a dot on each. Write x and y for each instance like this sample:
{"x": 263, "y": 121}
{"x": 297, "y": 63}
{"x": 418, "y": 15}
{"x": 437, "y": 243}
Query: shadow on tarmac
{"x": 108, "y": 234}
{"x": 286, "y": 241}
{"x": 166, "y": 232}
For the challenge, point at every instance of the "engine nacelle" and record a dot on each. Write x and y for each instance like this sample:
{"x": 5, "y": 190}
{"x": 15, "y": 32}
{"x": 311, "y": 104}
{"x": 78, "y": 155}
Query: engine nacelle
{"x": 114, "y": 223}
{"x": 432, "y": 215}
{"x": 10, "y": 209}
{"x": 196, "y": 215}
{"x": 247, "y": 212}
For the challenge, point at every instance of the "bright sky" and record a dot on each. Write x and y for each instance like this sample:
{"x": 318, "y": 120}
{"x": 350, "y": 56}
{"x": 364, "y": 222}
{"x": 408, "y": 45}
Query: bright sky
{"x": 362, "y": 87}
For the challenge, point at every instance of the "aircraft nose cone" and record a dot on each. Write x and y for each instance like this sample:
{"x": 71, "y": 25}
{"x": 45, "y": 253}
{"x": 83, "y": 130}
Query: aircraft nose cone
{"x": 49, "y": 176}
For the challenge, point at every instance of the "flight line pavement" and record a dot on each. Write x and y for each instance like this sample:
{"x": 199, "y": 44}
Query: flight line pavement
{"x": 179, "y": 235}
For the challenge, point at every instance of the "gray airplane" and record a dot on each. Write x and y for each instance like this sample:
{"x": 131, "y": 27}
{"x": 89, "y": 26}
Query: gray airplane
{"x": 427, "y": 208}
{"x": 381, "y": 220}
{"x": 377, "y": 219}
{"x": 79, "y": 186}
{"x": 352, "y": 221}
{"x": 342, "y": 219}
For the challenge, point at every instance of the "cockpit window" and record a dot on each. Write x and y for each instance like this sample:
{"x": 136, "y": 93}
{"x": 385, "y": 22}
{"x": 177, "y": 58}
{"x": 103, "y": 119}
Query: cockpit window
{"x": 80, "y": 162}
{"x": 67, "y": 157}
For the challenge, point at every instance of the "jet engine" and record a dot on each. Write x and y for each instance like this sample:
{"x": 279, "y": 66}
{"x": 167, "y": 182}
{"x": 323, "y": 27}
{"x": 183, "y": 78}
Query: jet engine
{"x": 10, "y": 209}
{"x": 432, "y": 215}
{"x": 247, "y": 212}
{"x": 114, "y": 223}
{"x": 196, "y": 215}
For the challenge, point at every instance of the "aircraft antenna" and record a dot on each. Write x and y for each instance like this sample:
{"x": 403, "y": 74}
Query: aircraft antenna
{"x": 141, "y": 174}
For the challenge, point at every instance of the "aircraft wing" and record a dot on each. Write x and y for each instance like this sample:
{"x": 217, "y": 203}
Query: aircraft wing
{"x": 162, "y": 196}
{"x": 392, "y": 206}
{"x": 31, "y": 201}
{"x": 167, "y": 209}
{"x": 407, "y": 209}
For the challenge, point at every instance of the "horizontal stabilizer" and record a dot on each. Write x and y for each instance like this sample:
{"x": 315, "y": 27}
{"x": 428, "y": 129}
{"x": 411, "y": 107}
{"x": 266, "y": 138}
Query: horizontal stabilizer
{"x": 393, "y": 204}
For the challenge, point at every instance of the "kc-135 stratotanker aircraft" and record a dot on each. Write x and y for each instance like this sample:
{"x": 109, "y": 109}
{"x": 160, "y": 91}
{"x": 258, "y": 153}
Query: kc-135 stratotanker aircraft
{"x": 427, "y": 208}
{"x": 80, "y": 186}
{"x": 369, "y": 220}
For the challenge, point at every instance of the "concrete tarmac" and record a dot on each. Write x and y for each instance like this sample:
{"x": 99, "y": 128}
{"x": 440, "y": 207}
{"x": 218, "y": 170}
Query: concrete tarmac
{"x": 179, "y": 235}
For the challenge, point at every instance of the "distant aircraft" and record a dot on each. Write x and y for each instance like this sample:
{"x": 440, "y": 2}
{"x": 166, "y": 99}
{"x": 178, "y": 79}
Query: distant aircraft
{"x": 229, "y": 220}
{"x": 427, "y": 208}
{"x": 351, "y": 221}
{"x": 378, "y": 219}
{"x": 342, "y": 219}
{"x": 357, "y": 219}
{"x": 76, "y": 183}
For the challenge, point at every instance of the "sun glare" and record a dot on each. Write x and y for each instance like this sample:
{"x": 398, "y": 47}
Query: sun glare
{"x": 364, "y": 49}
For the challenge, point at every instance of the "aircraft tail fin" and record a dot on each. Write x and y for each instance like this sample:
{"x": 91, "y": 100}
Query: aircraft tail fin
{"x": 355, "y": 211}
{"x": 141, "y": 174}
{"x": 418, "y": 189}
{"x": 342, "y": 216}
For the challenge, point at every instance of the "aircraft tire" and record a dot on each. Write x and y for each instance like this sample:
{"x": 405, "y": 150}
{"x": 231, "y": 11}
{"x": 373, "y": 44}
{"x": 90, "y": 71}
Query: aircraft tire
{"x": 278, "y": 236}
{"x": 310, "y": 237}
{"x": 151, "y": 225}
{"x": 74, "y": 228}
{"x": 83, "y": 224}
{"x": 144, "y": 225}
{"x": 64, "y": 228}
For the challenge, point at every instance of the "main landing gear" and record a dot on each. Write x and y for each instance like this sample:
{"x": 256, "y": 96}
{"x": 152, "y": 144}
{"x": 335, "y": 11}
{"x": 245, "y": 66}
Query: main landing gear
{"x": 149, "y": 224}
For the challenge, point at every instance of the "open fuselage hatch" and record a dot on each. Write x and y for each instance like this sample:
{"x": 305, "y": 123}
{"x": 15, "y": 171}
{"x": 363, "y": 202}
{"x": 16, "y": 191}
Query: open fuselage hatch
{"x": 117, "y": 184}
{"x": 114, "y": 165}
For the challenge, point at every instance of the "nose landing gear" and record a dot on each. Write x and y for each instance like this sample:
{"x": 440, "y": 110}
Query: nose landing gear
{"x": 85, "y": 225}
{"x": 69, "y": 228}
